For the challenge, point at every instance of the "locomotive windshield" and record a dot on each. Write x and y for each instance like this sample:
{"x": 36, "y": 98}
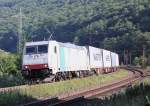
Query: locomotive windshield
{"x": 38, "y": 49}
{"x": 30, "y": 49}
{"x": 42, "y": 48}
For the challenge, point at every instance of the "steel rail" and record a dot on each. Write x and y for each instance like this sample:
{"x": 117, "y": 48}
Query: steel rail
{"x": 138, "y": 75}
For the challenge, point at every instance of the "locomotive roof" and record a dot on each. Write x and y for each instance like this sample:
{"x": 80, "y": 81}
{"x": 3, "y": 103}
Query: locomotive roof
{"x": 70, "y": 45}
{"x": 36, "y": 43}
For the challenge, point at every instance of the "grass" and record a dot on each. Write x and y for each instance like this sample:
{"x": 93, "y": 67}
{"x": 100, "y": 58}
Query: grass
{"x": 11, "y": 80}
{"x": 148, "y": 68}
{"x": 44, "y": 90}
{"x": 53, "y": 89}
{"x": 138, "y": 95}
{"x": 14, "y": 98}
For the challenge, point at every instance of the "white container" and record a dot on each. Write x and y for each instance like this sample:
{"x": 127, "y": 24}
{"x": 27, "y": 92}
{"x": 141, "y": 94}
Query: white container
{"x": 113, "y": 59}
{"x": 72, "y": 57}
{"x": 117, "y": 60}
{"x": 95, "y": 57}
{"x": 106, "y": 58}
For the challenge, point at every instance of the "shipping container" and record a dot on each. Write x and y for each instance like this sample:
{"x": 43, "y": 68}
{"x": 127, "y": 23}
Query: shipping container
{"x": 95, "y": 57}
{"x": 117, "y": 60}
{"x": 106, "y": 58}
{"x": 72, "y": 57}
{"x": 114, "y": 59}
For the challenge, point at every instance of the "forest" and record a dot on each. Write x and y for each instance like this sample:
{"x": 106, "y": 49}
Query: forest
{"x": 122, "y": 26}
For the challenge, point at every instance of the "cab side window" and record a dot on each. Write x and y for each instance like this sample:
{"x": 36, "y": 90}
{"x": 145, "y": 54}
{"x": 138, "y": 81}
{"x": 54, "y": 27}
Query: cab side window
{"x": 55, "y": 50}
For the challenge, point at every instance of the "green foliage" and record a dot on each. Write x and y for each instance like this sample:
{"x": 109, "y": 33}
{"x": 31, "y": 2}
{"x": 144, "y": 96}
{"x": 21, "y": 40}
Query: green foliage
{"x": 137, "y": 61}
{"x": 134, "y": 96}
{"x": 110, "y": 43}
{"x": 8, "y": 80}
{"x": 148, "y": 60}
{"x": 14, "y": 98}
{"x": 8, "y": 63}
{"x": 148, "y": 68}
{"x": 10, "y": 70}
{"x": 115, "y": 25}
{"x": 57, "y": 88}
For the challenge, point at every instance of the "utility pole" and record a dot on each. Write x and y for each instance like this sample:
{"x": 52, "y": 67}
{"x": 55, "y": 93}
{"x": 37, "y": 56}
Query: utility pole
{"x": 20, "y": 33}
{"x": 130, "y": 57}
{"x": 127, "y": 55}
{"x": 20, "y": 36}
{"x": 144, "y": 53}
{"x": 124, "y": 57}
{"x": 89, "y": 27}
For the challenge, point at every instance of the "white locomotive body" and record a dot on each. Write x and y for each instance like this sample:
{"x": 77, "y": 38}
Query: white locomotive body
{"x": 45, "y": 58}
{"x": 35, "y": 59}
{"x": 64, "y": 60}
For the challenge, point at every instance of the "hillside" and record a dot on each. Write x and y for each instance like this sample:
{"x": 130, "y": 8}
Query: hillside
{"x": 112, "y": 24}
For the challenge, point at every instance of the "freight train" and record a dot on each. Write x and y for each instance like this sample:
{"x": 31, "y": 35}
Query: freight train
{"x": 44, "y": 59}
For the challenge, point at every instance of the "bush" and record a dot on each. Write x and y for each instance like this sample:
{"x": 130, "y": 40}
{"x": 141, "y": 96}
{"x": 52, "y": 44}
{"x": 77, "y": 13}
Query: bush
{"x": 148, "y": 61}
{"x": 136, "y": 61}
{"x": 148, "y": 68}
{"x": 14, "y": 98}
{"x": 10, "y": 66}
{"x": 8, "y": 80}
{"x": 9, "y": 63}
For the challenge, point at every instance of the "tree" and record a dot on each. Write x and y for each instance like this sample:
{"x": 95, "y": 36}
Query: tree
{"x": 9, "y": 63}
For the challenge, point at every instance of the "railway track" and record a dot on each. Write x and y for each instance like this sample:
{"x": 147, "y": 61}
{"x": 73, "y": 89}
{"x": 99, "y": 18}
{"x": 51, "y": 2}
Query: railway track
{"x": 138, "y": 74}
{"x": 139, "y": 70}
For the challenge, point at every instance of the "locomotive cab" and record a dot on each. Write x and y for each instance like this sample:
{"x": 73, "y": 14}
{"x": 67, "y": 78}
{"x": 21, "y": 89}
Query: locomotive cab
{"x": 35, "y": 60}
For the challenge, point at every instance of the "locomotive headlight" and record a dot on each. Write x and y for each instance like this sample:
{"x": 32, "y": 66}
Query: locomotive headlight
{"x": 26, "y": 67}
{"x": 45, "y": 65}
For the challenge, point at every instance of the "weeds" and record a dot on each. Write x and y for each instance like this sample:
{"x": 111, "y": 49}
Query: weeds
{"x": 137, "y": 95}
{"x": 46, "y": 90}
{"x": 14, "y": 98}
{"x": 7, "y": 80}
